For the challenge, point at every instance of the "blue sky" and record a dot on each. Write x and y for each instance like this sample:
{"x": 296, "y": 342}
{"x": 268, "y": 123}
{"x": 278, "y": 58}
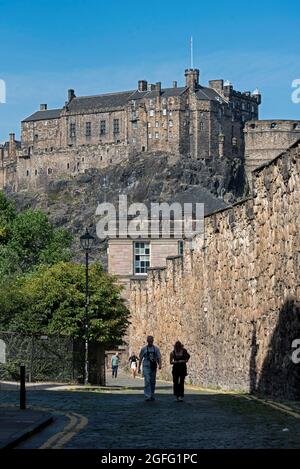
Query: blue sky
{"x": 100, "y": 46}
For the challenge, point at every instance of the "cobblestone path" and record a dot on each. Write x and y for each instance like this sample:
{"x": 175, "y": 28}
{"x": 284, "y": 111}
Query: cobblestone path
{"x": 118, "y": 417}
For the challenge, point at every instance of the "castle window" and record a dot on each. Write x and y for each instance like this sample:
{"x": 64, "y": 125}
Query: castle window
{"x": 170, "y": 113}
{"x": 88, "y": 129}
{"x": 35, "y": 172}
{"x": 164, "y": 101}
{"x": 170, "y": 123}
{"x": 27, "y": 173}
{"x": 68, "y": 165}
{"x": 134, "y": 141}
{"x": 150, "y": 135}
{"x": 116, "y": 126}
{"x": 72, "y": 130}
{"x": 273, "y": 125}
{"x": 151, "y": 113}
{"x": 252, "y": 126}
{"x": 149, "y": 124}
{"x": 156, "y": 124}
{"x": 180, "y": 247}
{"x": 201, "y": 125}
{"x": 49, "y": 171}
{"x": 141, "y": 257}
{"x": 156, "y": 135}
{"x": 164, "y": 112}
{"x": 102, "y": 127}
{"x": 243, "y": 106}
{"x": 295, "y": 126}
{"x": 252, "y": 109}
{"x": 36, "y": 137}
{"x": 134, "y": 125}
{"x": 150, "y": 102}
{"x": 143, "y": 148}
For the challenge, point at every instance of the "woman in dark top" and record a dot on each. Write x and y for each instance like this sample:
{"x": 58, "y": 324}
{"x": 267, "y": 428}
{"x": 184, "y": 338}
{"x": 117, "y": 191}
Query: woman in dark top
{"x": 133, "y": 360}
{"x": 179, "y": 358}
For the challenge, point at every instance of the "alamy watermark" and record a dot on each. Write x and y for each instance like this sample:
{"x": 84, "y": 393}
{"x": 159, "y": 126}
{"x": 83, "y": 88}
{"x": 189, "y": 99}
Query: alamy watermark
{"x": 2, "y": 92}
{"x": 296, "y": 93}
{"x": 296, "y": 352}
{"x": 138, "y": 221}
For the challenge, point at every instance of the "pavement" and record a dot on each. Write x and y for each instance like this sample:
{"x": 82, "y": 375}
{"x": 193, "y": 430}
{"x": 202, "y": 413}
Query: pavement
{"x": 117, "y": 417}
{"x": 17, "y": 425}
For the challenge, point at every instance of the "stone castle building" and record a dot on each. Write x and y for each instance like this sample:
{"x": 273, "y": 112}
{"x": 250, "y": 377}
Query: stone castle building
{"x": 97, "y": 131}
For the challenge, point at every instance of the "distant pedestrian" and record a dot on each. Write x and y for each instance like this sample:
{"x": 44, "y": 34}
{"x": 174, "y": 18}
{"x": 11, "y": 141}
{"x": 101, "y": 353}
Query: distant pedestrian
{"x": 150, "y": 358}
{"x": 114, "y": 364}
{"x": 133, "y": 361}
{"x": 179, "y": 358}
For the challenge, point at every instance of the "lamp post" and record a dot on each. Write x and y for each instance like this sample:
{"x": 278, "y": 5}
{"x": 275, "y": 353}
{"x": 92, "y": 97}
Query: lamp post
{"x": 86, "y": 242}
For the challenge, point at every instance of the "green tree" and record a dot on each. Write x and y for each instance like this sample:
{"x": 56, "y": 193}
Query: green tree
{"x": 51, "y": 300}
{"x": 28, "y": 239}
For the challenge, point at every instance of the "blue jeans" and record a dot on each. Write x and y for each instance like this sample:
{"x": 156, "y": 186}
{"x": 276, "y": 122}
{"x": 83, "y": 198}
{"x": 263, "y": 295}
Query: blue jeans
{"x": 114, "y": 370}
{"x": 149, "y": 382}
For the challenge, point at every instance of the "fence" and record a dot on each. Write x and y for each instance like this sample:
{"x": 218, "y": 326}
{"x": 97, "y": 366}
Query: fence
{"x": 48, "y": 358}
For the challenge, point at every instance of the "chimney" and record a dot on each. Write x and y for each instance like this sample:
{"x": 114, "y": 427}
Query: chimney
{"x": 158, "y": 87}
{"x": 192, "y": 78}
{"x": 174, "y": 84}
{"x": 43, "y": 107}
{"x": 216, "y": 85}
{"x": 71, "y": 95}
{"x": 11, "y": 146}
{"x": 142, "y": 85}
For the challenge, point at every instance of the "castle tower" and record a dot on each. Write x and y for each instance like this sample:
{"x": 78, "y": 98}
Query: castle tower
{"x": 192, "y": 78}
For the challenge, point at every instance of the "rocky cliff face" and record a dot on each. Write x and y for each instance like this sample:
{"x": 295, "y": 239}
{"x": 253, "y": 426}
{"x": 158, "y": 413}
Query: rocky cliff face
{"x": 154, "y": 177}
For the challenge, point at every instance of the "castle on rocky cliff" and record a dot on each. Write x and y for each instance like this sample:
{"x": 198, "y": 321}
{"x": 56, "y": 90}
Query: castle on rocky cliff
{"x": 98, "y": 131}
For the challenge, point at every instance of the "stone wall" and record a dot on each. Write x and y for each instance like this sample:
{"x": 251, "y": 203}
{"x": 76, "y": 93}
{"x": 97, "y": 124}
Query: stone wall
{"x": 234, "y": 299}
{"x": 266, "y": 139}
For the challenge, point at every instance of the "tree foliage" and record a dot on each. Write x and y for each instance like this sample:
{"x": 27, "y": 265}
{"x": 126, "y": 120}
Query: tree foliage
{"x": 51, "y": 300}
{"x": 42, "y": 292}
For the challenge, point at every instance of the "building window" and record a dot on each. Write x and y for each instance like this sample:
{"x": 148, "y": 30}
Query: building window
{"x": 36, "y": 137}
{"x": 170, "y": 113}
{"x": 143, "y": 148}
{"x": 68, "y": 165}
{"x": 72, "y": 130}
{"x": 134, "y": 141}
{"x": 141, "y": 257}
{"x": 88, "y": 129}
{"x": 151, "y": 113}
{"x": 273, "y": 125}
{"x": 116, "y": 126}
{"x": 49, "y": 171}
{"x": 180, "y": 247}
{"x": 150, "y": 102}
{"x": 156, "y": 135}
{"x": 149, "y": 124}
{"x": 156, "y": 124}
{"x": 201, "y": 125}
{"x": 164, "y": 101}
{"x": 150, "y": 135}
{"x": 27, "y": 173}
{"x": 102, "y": 127}
{"x": 134, "y": 125}
{"x": 164, "y": 112}
{"x": 252, "y": 109}
{"x": 170, "y": 123}
{"x": 35, "y": 172}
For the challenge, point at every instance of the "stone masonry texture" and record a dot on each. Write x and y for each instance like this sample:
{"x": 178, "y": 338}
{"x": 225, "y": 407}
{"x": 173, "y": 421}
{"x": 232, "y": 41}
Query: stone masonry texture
{"x": 233, "y": 300}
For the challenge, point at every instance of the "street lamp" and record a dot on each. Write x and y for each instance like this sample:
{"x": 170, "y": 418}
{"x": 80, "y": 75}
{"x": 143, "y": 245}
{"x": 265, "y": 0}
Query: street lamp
{"x": 86, "y": 242}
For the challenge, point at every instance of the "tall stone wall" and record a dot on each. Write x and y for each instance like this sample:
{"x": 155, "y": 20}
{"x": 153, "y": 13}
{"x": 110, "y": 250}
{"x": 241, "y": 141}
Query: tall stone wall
{"x": 234, "y": 299}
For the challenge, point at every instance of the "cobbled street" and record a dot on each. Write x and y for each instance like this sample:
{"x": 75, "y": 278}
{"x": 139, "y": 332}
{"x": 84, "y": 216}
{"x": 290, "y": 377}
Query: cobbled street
{"x": 118, "y": 417}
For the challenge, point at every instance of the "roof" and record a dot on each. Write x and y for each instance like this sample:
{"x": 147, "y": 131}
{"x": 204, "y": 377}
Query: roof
{"x": 102, "y": 101}
{"x": 204, "y": 93}
{"x": 43, "y": 115}
{"x": 119, "y": 100}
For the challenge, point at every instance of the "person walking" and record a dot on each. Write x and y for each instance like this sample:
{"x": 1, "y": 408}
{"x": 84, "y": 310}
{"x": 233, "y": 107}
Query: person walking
{"x": 133, "y": 361}
{"x": 179, "y": 358}
{"x": 150, "y": 358}
{"x": 114, "y": 364}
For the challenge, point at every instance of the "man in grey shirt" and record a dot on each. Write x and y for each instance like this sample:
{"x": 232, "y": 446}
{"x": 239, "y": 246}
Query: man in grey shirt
{"x": 151, "y": 358}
